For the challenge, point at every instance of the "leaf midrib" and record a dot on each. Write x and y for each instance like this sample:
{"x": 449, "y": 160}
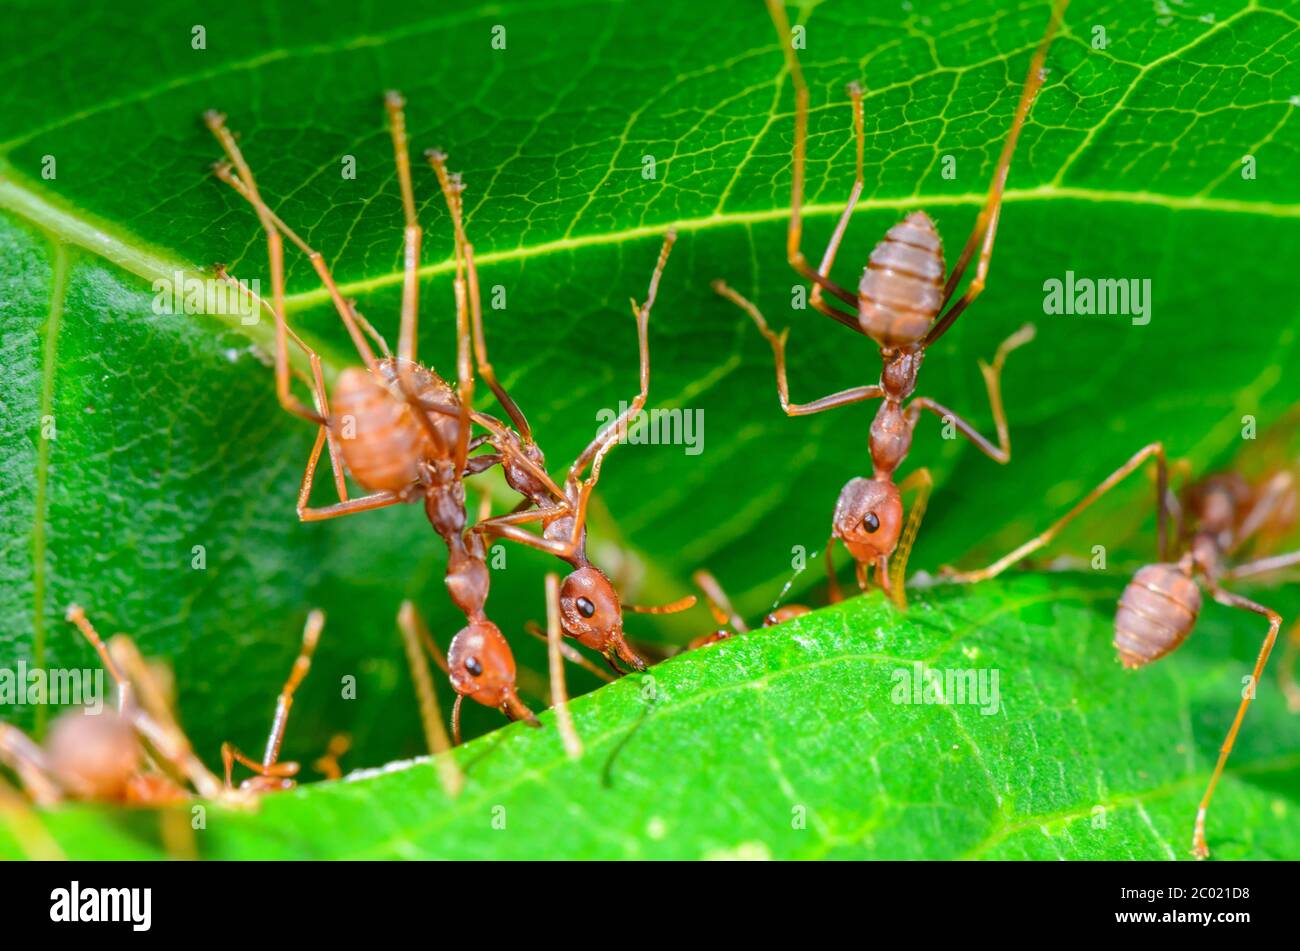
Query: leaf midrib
{"x": 71, "y": 226}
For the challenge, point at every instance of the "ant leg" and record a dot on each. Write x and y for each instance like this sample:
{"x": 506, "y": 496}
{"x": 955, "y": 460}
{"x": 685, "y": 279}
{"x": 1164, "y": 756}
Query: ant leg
{"x": 244, "y": 184}
{"x": 683, "y": 603}
{"x": 1180, "y": 469}
{"x": 828, "y": 259}
{"x": 1279, "y": 490}
{"x": 856, "y": 394}
{"x": 1199, "y": 847}
{"x": 1039, "y": 541}
{"x": 485, "y": 369}
{"x": 347, "y": 506}
{"x": 452, "y": 189}
{"x": 27, "y": 760}
{"x": 77, "y": 616}
{"x": 301, "y": 665}
{"x": 571, "y": 653}
{"x": 793, "y": 237}
{"x": 267, "y": 778}
{"x": 153, "y": 720}
{"x": 283, "y": 368}
{"x": 924, "y": 484}
{"x": 1291, "y": 647}
{"x": 718, "y": 602}
{"x": 416, "y": 622}
{"x": 564, "y": 550}
{"x": 407, "y": 338}
{"x": 216, "y": 122}
{"x": 490, "y": 526}
{"x": 1263, "y": 565}
{"x": 615, "y": 428}
{"x": 417, "y": 639}
{"x": 319, "y": 396}
{"x": 986, "y": 224}
{"x": 559, "y": 693}
{"x": 992, "y": 372}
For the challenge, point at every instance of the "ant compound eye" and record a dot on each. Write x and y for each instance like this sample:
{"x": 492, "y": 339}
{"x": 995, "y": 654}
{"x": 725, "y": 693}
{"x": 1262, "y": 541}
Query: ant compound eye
{"x": 473, "y": 666}
{"x": 870, "y": 522}
{"x": 585, "y": 607}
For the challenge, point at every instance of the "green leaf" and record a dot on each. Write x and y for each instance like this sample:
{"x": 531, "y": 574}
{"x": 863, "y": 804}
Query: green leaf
{"x": 804, "y": 741}
{"x": 169, "y": 435}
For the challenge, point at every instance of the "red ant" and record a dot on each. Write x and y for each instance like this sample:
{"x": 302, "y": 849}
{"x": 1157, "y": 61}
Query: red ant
{"x": 271, "y": 773}
{"x": 136, "y": 754}
{"x": 590, "y": 609}
{"x": 904, "y": 305}
{"x": 412, "y": 434}
{"x": 1160, "y": 605}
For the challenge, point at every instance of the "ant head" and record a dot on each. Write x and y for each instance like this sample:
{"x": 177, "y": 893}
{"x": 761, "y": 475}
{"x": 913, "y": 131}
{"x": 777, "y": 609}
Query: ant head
{"x": 868, "y": 518}
{"x": 784, "y": 613}
{"x": 94, "y": 756}
{"x": 719, "y": 635}
{"x": 483, "y": 669}
{"x": 590, "y": 613}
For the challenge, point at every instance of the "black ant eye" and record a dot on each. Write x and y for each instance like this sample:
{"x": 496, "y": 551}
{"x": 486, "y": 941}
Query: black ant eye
{"x": 870, "y": 522}
{"x": 585, "y": 607}
{"x": 473, "y": 666}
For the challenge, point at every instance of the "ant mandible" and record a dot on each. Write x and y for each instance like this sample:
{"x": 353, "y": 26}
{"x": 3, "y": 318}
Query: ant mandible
{"x": 904, "y": 305}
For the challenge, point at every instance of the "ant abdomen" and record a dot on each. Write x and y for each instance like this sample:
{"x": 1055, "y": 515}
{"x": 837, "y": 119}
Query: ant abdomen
{"x": 383, "y": 443}
{"x": 902, "y": 288}
{"x": 1156, "y": 613}
{"x": 425, "y": 386}
{"x": 95, "y": 757}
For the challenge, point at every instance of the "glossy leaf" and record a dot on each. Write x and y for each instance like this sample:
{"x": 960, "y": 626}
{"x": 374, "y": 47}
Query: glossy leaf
{"x": 166, "y": 434}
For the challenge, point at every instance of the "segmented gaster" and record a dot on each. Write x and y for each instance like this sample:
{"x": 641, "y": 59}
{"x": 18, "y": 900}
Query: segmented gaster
{"x": 1156, "y": 613}
{"x": 902, "y": 288}
{"x": 382, "y": 441}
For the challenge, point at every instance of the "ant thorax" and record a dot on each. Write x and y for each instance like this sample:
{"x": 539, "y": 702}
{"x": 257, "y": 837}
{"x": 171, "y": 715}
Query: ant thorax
{"x": 1207, "y": 551}
{"x": 560, "y": 529}
{"x": 891, "y": 438}
{"x": 518, "y": 476}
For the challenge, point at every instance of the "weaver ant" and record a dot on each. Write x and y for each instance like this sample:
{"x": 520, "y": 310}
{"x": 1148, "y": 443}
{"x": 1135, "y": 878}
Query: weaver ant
{"x": 136, "y": 754}
{"x": 409, "y": 436}
{"x": 904, "y": 305}
{"x": 1158, "y": 610}
{"x": 270, "y": 773}
{"x": 589, "y": 606}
